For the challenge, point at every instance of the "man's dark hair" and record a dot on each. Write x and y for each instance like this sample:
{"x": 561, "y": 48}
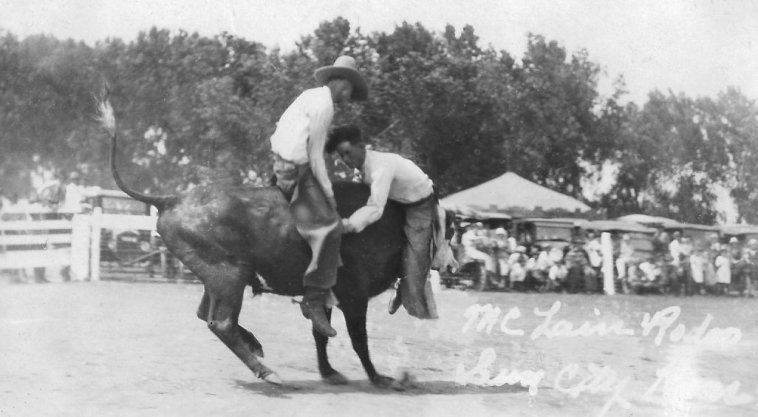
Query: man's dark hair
{"x": 349, "y": 133}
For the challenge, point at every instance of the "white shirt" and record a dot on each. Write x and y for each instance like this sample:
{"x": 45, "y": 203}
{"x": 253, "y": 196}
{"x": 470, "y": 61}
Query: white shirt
{"x": 73, "y": 198}
{"x": 594, "y": 251}
{"x": 300, "y": 135}
{"x": 392, "y": 177}
{"x": 469, "y": 241}
{"x": 723, "y": 270}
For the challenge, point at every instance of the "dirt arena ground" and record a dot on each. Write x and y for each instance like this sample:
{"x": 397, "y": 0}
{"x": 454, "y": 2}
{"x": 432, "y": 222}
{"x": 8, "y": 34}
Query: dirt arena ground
{"x": 136, "y": 349}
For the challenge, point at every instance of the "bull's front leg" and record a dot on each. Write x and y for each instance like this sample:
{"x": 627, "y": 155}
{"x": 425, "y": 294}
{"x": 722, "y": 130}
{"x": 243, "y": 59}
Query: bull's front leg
{"x": 355, "y": 318}
{"x": 328, "y": 374}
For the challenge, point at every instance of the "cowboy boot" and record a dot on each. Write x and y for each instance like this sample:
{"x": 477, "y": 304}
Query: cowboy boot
{"x": 314, "y": 308}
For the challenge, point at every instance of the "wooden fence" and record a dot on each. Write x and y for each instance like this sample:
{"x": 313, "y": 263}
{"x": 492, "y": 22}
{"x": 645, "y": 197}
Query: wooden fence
{"x": 35, "y": 244}
{"x": 71, "y": 247}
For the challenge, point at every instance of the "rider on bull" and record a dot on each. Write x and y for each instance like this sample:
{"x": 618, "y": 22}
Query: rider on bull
{"x": 392, "y": 177}
{"x": 300, "y": 171}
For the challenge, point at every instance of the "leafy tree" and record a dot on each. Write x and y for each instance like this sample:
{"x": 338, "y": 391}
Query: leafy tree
{"x": 734, "y": 119}
{"x": 193, "y": 108}
{"x": 671, "y": 158}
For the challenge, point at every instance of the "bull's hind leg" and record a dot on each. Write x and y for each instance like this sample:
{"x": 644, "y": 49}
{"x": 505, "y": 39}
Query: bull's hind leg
{"x": 224, "y": 289}
{"x": 220, "y": 308}
{"x": 328, "y": 374}
{"x": 202, "y": 313}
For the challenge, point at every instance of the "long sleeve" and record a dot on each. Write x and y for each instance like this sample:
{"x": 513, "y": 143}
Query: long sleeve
{"x": 319, "y": 125}
{"x": 374, "y": 208}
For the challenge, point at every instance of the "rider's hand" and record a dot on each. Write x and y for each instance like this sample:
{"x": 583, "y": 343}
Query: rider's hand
{"x": 346, "y": 226}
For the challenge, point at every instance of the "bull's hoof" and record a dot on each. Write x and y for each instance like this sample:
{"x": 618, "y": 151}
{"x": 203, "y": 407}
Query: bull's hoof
{"x": 273, "y": 378}
{"x": 406, "y": 381}
{"x": 335, "y": 378}
{"x": 381, "y": 381}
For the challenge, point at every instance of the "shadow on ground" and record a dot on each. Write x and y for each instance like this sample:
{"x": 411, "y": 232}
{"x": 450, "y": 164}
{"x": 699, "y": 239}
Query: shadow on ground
{"x": 413, "y": 389}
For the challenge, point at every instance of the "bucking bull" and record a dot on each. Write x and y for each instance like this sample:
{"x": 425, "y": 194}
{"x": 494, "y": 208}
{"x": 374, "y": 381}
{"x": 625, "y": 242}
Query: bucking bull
{"x": 228, "y": 235}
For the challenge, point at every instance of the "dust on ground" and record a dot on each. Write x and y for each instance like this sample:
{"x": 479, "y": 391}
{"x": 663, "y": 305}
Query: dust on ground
{"x": 137, "y": 349}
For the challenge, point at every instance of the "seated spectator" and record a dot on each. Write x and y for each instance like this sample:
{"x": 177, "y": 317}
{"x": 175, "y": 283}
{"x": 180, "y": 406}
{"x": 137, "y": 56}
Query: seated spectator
{"x": 502, "y": 251}
{"x": 594, "y": 250}
{"x": 471, "y": 241}
{"x": 557, "y": 272}
{"x": 517, "y": 263}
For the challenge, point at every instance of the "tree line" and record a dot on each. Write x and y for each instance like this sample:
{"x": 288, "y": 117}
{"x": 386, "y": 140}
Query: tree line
{"x": 192, "y": 108}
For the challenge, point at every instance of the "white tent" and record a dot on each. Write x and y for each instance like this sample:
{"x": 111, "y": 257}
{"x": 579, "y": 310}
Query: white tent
{"x": 512, "y": 194}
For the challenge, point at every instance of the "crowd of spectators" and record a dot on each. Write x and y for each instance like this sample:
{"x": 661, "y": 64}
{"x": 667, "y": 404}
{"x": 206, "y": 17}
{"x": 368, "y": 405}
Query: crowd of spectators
{"x": 707, "y": 265}
{"x": 519, "y": 267}
{"x": 676, "y": 264}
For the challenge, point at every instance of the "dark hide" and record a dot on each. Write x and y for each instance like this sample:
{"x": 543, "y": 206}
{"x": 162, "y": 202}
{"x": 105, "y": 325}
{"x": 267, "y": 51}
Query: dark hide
{"x": 226, "y": 235}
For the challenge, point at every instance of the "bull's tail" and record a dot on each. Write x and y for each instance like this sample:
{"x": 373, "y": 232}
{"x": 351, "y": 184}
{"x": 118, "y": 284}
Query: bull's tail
{"x": 108, "y": 120}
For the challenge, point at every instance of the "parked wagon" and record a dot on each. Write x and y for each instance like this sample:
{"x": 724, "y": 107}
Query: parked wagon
{"x": 743, "y": 232}
{"x": 641, "y": 271}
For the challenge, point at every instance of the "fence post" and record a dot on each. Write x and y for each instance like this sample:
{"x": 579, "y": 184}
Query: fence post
{"x": 80, "y": 247}
{"x": 96, "y": 227}
{"x": 606, "y": 245}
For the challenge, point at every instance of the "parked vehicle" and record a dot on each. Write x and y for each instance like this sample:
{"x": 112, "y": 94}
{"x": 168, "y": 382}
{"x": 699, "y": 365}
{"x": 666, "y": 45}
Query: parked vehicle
{"x": 123, "y": 245}
{"x": 743, "y": 232}
{"x": 642, "y": 270}
{"x": 699, "y": 233}
{"x": 542, "y": 231}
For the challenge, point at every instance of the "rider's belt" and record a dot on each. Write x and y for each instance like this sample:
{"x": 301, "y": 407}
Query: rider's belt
{"x": 285, "y": 170}
{"x": 431, "y": 196}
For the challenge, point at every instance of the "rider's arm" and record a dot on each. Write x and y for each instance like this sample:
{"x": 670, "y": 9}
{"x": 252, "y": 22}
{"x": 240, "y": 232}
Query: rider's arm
{"x": 372, "y": 211}
{"x": 320, "y": 119}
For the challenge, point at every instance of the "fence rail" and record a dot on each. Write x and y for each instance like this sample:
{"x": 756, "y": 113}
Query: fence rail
{"x": 77, "y": 243}
{"x": 35, "y": 244}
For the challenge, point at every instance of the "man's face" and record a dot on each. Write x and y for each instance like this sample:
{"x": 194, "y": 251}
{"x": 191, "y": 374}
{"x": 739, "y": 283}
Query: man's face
{"x": 352, "y": 155}
{"x": 342, "y": 90}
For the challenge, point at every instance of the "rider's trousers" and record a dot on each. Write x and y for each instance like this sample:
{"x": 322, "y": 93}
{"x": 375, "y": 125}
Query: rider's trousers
{"x": 415, "y": 290}
{"x": 316, "y": 220}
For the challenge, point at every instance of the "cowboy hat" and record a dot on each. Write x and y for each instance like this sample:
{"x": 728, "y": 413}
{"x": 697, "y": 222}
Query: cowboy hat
{"x": 344, "y": 67}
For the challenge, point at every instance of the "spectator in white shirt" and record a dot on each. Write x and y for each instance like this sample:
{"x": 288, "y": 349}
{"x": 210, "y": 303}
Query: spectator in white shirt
{"x": 300, "y": 171}
{"x": 392, "y": 177}
{"x": 472, "y": 241}
{"x": 594, "y": 250}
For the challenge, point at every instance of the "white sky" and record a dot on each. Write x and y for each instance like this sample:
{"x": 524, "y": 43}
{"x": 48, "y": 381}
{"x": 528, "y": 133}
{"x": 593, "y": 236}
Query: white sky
{"x": 695, "y": 47}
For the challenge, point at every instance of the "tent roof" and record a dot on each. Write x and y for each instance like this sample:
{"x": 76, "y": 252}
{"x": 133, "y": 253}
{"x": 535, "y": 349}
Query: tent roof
{"x": 617, "y": 226}
{"x": 514, "y": 194}
{"x": 739, "y": 229}
{"x": 665, "y": 223}
{"x": 647, "y": 220}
